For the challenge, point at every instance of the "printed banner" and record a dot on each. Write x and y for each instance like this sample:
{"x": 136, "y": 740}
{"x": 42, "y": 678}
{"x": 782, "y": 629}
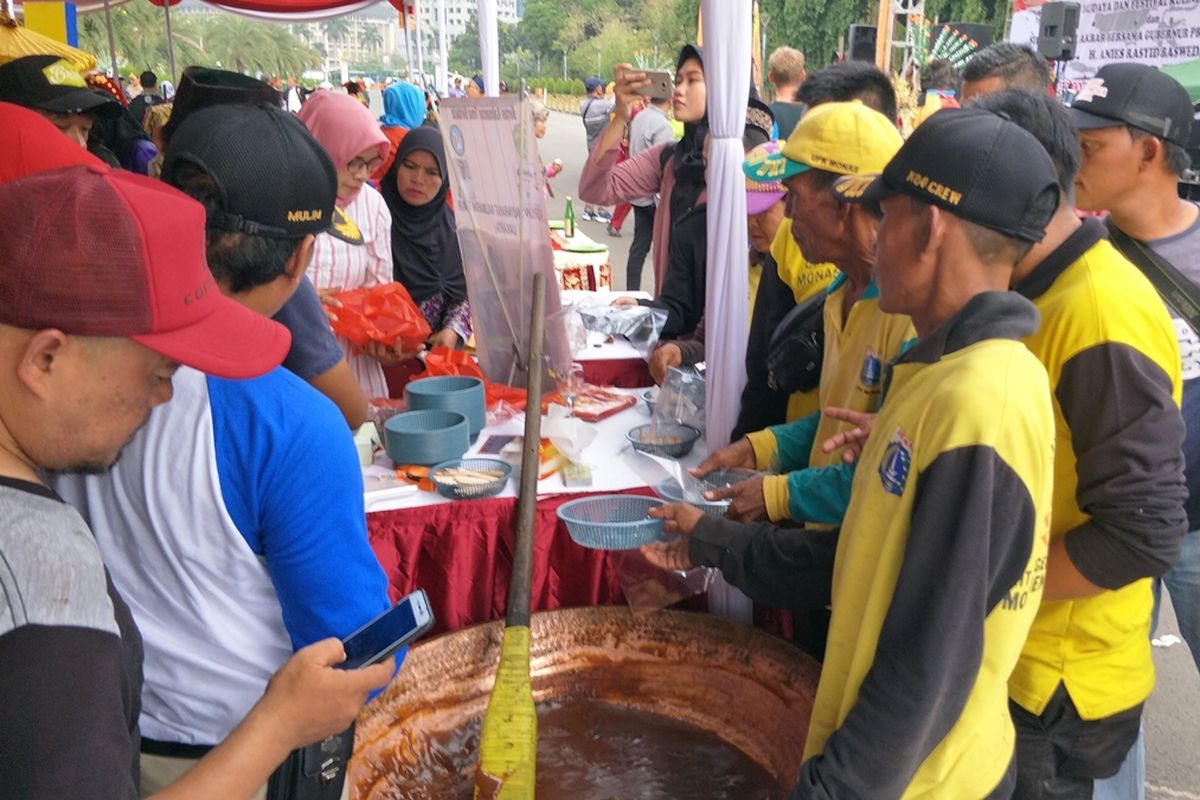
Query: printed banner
{"x": 497, "y": 180}
{"x": 1156, "y": 32}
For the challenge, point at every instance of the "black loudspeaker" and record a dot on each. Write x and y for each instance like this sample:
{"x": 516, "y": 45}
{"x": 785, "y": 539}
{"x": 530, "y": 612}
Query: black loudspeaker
{"x": 860, "y": 44}
{"x": 982, "y": 34}
{"x": 1056, "y": 35}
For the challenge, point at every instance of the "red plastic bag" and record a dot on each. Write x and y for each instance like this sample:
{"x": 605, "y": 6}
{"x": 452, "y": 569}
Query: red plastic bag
{"x": 444, "y": 361}
{"x": 384, "y": 313}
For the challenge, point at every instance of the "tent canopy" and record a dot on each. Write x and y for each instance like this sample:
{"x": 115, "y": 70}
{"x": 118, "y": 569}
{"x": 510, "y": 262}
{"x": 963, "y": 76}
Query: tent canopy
{"x": 1187, "y": 73}
{"x": 277, "y": 10}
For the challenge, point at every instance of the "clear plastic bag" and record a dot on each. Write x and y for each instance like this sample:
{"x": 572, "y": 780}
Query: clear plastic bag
{"x": 681, "y": 398}
{"x": 641, "y": 325}
{"x": 649, "y": 588}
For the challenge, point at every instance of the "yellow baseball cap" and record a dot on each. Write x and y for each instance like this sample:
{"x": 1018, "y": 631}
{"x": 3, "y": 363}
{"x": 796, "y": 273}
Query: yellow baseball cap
{"x": 845, "y": 138}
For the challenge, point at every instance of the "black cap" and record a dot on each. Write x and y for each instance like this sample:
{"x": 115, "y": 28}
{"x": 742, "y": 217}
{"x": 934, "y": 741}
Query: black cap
{"x": 1136, "y": 95}
{"x": 975, "y": 164}
{"x": 51, "y": 83}
{"x": 274, "y": 179}
{"x": 201, "y": 87}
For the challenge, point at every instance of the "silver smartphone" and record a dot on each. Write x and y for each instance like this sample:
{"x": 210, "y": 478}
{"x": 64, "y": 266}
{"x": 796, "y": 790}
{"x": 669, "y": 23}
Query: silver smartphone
{"x": 661, "y": 86}
{"x": 387, "y": 633}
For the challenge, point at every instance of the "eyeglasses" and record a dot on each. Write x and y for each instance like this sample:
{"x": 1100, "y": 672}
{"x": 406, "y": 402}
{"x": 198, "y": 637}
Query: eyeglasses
{"x": 357, "y": 164}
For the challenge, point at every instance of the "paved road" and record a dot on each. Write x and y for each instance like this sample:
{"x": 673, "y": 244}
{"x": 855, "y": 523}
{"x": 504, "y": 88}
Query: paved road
{"x": 565, "y": 139}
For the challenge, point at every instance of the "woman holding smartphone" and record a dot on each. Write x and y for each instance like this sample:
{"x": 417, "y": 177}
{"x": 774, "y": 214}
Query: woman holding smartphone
{"x": 677, "y": 175}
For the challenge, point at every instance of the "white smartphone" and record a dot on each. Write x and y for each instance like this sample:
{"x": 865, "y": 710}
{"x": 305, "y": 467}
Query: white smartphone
{"x": 661, "y": 86}
{"x": 387, "y": 633}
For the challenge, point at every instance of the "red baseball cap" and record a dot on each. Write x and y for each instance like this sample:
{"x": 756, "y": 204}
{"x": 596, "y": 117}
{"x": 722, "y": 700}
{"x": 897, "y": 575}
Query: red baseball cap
{"x": 98, "y": 252}
{"x": 30, "y": 143}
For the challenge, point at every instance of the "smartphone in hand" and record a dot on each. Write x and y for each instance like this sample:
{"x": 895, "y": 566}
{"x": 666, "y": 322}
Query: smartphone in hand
{"x": 387, "y": 633}
{"x": 661, "y": 86}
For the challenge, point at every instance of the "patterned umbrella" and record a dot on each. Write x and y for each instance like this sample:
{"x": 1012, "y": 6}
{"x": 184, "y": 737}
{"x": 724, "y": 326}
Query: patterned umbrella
{"x": 17, "y": 41}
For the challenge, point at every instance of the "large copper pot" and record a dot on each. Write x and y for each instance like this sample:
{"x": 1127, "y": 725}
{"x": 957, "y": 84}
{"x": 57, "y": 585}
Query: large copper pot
{"x": 751, "y": 689}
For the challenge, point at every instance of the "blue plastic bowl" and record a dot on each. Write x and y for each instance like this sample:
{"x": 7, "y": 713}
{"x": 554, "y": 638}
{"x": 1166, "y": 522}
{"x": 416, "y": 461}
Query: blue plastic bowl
{"x": 471, "y": 491}
{"x": 669, "y": 439}
{"x": 426, "y": 437}
{"x": 451, "y": 393}
{"x": 612, "y": 521}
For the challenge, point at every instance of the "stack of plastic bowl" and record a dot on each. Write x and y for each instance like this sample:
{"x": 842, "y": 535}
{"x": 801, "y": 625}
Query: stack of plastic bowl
{"x": 612, "y": 521}
{"x": 464, "y": 395}
{"x": 426, "y": 437}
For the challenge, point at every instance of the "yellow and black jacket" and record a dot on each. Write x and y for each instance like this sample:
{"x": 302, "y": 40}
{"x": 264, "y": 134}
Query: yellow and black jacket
{"x": 936, "y": 575}
{"x": 1109, "y": 347}
{"x": 858, "y": 345}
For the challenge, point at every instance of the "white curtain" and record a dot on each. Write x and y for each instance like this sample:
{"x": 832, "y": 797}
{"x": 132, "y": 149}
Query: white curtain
{"x": 489, "y": 47}
{"x": 727, "y": 78}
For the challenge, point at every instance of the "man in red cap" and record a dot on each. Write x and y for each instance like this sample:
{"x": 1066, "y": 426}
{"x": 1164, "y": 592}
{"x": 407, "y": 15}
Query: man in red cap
{"x": 95, "y": 321}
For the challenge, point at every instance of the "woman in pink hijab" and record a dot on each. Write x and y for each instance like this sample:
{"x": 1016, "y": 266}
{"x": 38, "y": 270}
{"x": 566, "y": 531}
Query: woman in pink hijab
{"x": 356, "y": 252}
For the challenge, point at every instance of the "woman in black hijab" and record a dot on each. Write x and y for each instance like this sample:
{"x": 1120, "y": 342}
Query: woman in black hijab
{"x": 425, "y": 254}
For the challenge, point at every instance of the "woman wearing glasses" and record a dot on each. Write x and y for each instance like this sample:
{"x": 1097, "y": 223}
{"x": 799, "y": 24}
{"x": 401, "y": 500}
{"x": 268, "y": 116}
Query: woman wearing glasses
{"x": 356, "y": 251}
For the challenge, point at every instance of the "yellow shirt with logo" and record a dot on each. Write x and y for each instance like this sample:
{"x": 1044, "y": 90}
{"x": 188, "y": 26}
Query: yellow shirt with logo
{"x": 939, "y": 568}
{"x": 1100, "y": 311}
{"x": 858, "y": 346}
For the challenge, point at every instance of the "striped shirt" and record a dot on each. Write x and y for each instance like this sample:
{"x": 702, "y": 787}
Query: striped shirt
{"x": 337, "y": 264}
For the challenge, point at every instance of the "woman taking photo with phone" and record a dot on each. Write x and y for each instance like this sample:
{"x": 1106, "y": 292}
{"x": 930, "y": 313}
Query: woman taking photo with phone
{"x": 676, "y": 175}
{"x": 424, "y": 239}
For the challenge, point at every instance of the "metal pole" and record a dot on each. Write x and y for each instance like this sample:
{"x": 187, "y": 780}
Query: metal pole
{"x": 170, "y": 42}
{"x": 420, "y": 50}
{"x": 443, "y": 62}
{"x": 564, "y": 63}
{"x": 408, "y": 59}
{"x": 489, "y": 47}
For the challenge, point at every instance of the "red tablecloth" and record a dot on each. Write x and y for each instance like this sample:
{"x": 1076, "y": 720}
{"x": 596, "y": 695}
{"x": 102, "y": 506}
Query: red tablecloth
{"x": 624, "y": 373}
{"x": 461, "y": 554}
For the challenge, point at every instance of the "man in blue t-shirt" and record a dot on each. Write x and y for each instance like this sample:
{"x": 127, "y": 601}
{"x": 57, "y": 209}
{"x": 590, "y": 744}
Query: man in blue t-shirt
{"x": 234, "y": 524}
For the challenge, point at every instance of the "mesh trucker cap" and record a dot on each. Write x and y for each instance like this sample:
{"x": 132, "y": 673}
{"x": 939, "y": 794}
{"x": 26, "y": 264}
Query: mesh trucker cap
{"x": 846, "y": 138}
{"x": 201, "y": 87}
{"x": 138, "y": 270}
{"x": 977, "y": 165}
{"x": 51, "y": 83}
{"x": 1137, "y": 95}
{"x": 273, "y": 177}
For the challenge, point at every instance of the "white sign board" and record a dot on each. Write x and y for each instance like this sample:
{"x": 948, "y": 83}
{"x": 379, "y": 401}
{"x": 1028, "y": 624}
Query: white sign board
{"x": 503, "y": 232}
{"x": 1155, "y": 32}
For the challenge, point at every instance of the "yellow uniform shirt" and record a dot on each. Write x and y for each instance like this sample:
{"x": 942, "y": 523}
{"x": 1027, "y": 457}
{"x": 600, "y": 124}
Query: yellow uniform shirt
{"x": 939, "y": 568}
{"x": 1110, "y": 349}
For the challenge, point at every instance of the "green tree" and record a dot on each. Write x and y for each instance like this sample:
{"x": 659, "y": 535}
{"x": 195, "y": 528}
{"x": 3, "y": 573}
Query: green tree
{"x": 337, "y": 28}
{"x": 370, "y": 37}
{"x": 141, "y": 39}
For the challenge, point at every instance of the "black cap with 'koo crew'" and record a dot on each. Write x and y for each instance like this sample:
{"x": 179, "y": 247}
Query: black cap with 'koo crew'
{"x": 977, "y": 165}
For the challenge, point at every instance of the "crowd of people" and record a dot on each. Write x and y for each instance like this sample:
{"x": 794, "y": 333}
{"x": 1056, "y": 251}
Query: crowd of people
{"x": 1018, "y": 379}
